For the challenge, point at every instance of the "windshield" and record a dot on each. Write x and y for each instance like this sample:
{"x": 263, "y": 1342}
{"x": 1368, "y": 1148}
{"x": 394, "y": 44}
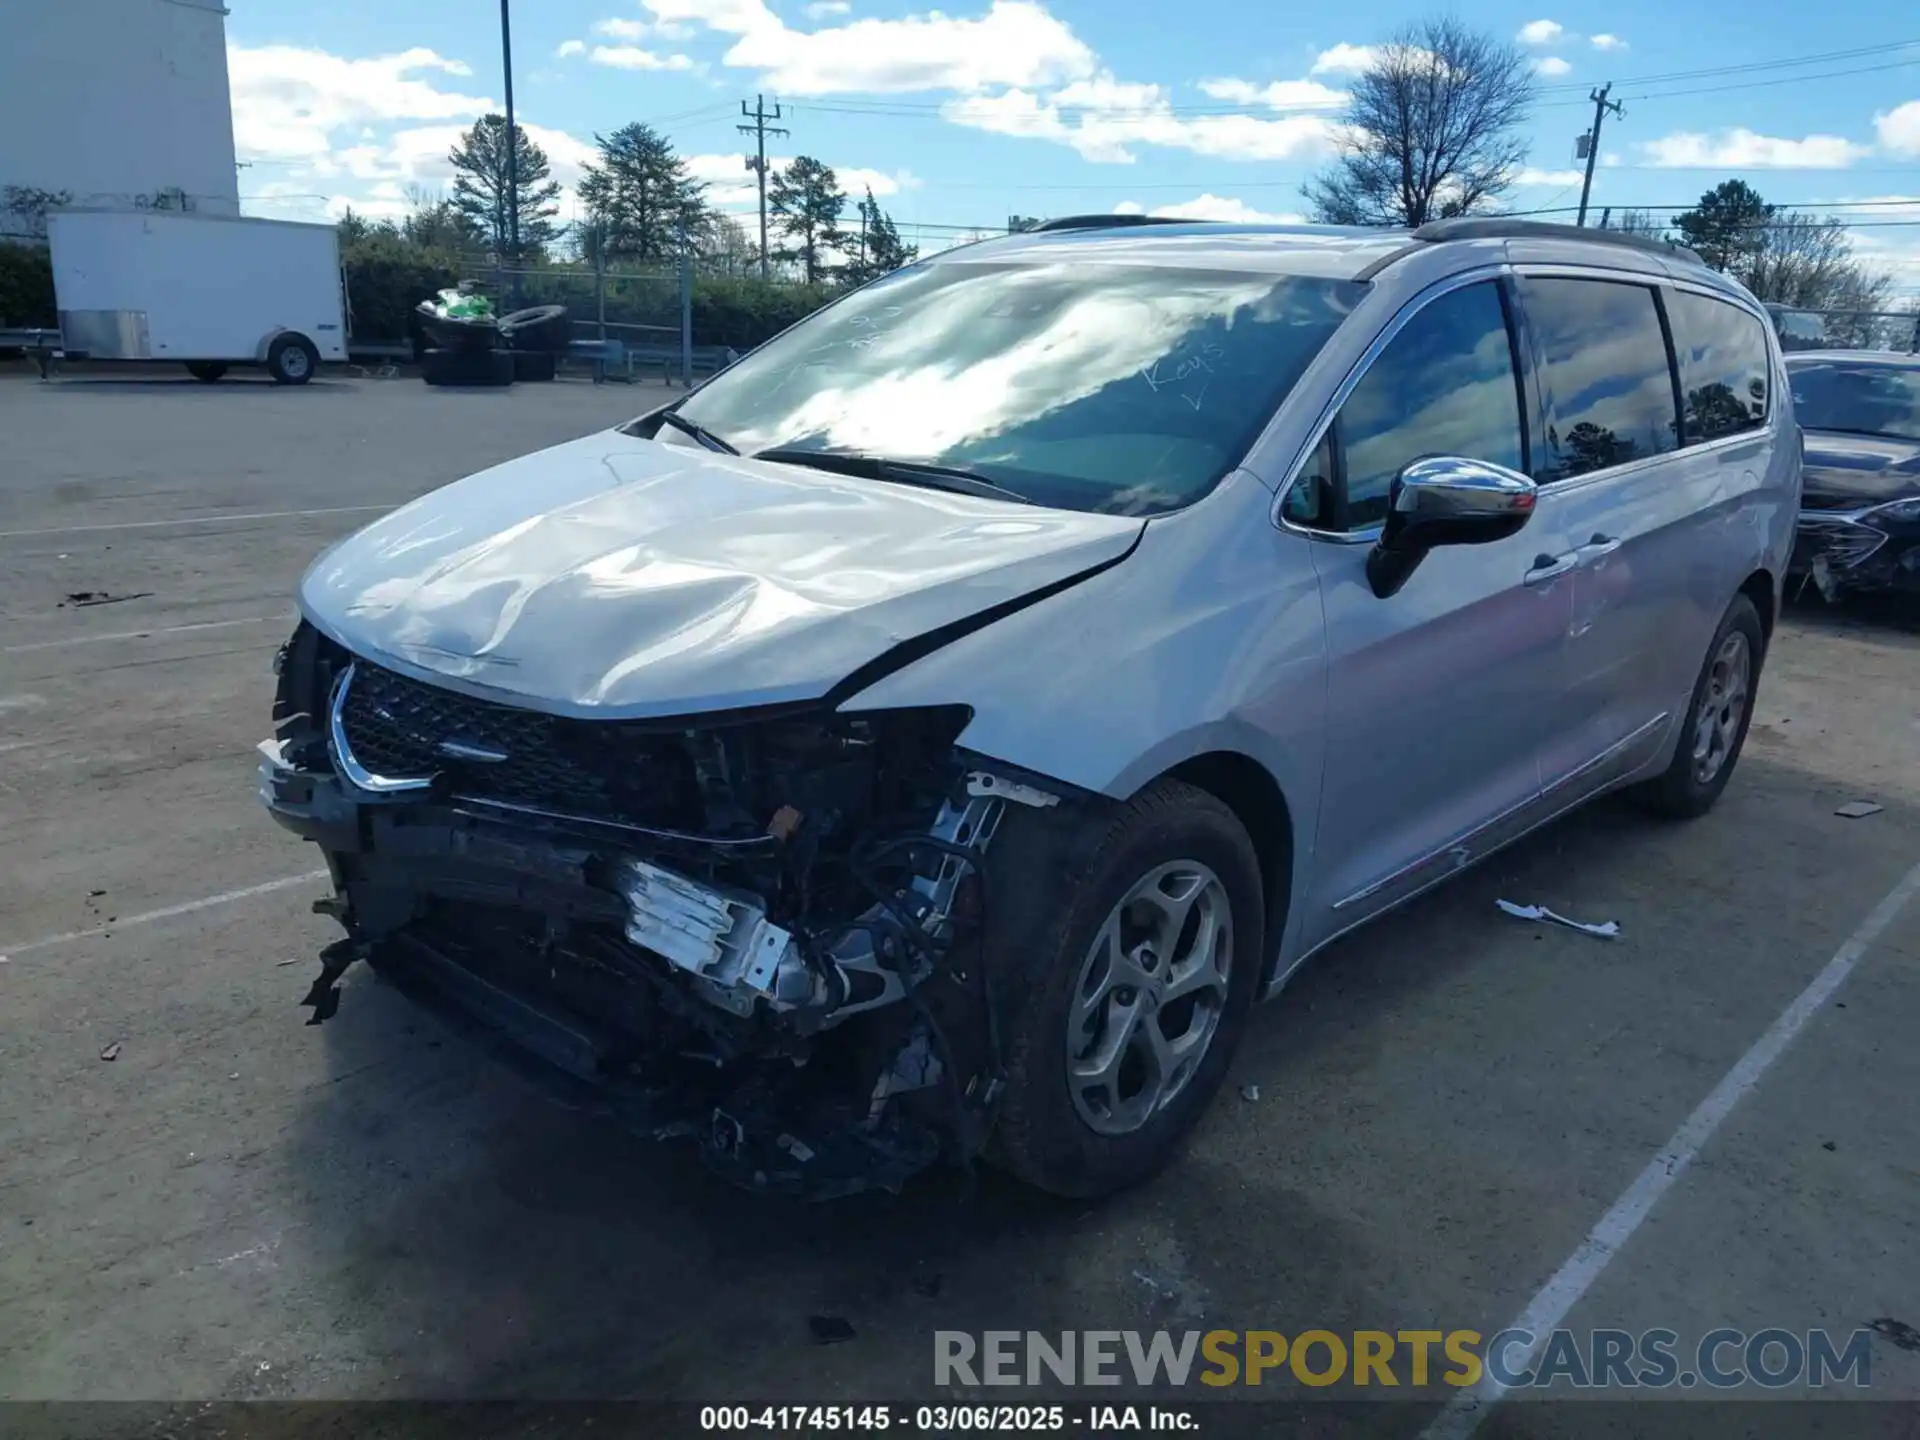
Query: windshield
{"x": 1123, "y": 389}
{"x": 1864, "y": 399}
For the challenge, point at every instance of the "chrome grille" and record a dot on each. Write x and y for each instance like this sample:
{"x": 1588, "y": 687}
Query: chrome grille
{"x": 399, "y": 729}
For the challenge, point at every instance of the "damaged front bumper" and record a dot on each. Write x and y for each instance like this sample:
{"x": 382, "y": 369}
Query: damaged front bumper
{"x": 806, "y": 1000}
{"x": 1840, "y": 552}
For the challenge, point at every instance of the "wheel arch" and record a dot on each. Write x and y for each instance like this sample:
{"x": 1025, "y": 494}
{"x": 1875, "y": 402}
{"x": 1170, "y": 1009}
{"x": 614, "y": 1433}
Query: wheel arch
{"x": 1249, "y": 789}
{"x": 1763, "y": 589}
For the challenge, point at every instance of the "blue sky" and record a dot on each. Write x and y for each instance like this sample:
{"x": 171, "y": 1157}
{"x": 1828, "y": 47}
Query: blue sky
{"x": 961, "y": 115}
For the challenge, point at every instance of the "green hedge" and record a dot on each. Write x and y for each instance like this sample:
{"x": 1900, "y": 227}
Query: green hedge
{"x": 386, "y": 278}
{"x": 26, "y": 287}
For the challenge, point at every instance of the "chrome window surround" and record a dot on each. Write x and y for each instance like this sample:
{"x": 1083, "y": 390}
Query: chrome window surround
{"x": 1508, "y": 270}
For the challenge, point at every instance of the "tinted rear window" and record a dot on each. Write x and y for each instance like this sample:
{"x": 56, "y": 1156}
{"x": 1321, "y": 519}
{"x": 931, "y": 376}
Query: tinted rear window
{"x": 1603, "y": 369}
{"x": 1858, "y": 397}
{"x": 1722, "y": 351}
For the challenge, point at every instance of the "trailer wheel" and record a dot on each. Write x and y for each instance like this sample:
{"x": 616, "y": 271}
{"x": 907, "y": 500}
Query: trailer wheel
{"x": 207, "y": 370}
{"x": 291, "y": 359}
{"x": 467, "y": 367}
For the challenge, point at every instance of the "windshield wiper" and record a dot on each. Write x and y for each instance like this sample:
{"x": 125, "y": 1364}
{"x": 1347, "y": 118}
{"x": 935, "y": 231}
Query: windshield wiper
{"x": 699, "y": 432}
{"x": 878, "y": 467}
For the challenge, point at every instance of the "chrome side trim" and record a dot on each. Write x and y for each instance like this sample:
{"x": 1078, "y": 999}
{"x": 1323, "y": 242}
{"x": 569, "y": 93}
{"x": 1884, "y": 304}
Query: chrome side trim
{"x": 1281, "y": 976}
{"x": 357, "y": 774}
{"x": 1460, "y": 848}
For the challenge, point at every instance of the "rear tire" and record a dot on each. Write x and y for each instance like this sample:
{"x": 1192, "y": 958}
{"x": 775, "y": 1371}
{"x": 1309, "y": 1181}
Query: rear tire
{"x": 292, "y": 360}
{"x": 1069, "y": 937}
{"x": 206, "y": 371}
{"x": 1715, "y": 727}
{"x": 480, "y": 368}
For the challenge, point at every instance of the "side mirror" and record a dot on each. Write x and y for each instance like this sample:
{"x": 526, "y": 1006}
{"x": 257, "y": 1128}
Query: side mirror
{"x": 1445, "y": 500}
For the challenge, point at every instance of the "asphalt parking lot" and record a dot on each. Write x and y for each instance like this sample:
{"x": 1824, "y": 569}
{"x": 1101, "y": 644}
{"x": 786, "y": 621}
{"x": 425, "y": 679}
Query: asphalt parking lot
{"x": 237, "y": 1206}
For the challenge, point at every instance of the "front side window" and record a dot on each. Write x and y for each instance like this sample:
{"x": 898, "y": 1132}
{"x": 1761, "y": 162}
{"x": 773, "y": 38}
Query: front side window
{"x": 1858, "y": 397}
{"x": 1604, "y": 372}
{"x": 1724, "y": 365}
{"x": 1121, "y": 388}
{"x": 1445, "y": 385}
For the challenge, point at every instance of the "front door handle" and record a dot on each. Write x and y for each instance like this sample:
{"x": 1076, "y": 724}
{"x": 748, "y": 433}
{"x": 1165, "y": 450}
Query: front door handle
{"x": 1598, "y": 548}
{"x": 1551, "y": 567}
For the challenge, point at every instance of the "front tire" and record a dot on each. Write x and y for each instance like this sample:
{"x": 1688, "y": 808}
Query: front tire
{"x": 1716, "y": 723}
{"x": 1131, "y": 977}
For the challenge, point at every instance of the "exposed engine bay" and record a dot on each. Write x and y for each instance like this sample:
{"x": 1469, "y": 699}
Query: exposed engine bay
{"x": 759, "y": 929}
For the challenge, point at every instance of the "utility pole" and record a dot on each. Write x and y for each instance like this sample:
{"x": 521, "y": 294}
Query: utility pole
{"x": 757, "y": 162}
{"x": 513, "y": 147}
{"x": 1601, "y": 105}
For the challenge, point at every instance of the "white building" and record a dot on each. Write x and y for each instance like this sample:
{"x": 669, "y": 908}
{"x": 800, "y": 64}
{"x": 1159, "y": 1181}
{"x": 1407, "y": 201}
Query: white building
{"x": 115, "y": 103}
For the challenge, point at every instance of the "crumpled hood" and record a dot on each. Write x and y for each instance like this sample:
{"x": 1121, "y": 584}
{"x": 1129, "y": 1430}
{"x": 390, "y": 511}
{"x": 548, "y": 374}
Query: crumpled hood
{"x": 621, "y": 578}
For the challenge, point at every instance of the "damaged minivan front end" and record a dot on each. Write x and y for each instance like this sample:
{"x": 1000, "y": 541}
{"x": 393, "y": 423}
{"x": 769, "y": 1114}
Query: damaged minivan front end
{"x": 755, "y": 928}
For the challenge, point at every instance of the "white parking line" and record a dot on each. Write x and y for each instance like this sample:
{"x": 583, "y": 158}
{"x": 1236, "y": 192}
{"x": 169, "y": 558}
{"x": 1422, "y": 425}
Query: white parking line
{"x": 1462, "y": 1415}
{"x": 144, "y": 634}
{"x": 194, "y": 520}
{"x": 148, "y": 916}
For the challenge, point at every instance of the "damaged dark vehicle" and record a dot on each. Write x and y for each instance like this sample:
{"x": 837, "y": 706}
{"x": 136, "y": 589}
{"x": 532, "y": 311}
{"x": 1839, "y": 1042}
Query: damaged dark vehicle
{"x": 1860, "y": 506}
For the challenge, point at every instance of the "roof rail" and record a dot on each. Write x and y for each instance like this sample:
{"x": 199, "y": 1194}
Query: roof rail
{"x": 1105, "y": 222}
{"x": 1494, "y": 227}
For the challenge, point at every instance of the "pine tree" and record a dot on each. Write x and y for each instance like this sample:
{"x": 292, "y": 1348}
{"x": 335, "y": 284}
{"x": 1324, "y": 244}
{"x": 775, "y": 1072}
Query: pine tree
{"x": 481, "y": 192}
{"x": 643, "y": 203}
{"x": 806, "y": 196}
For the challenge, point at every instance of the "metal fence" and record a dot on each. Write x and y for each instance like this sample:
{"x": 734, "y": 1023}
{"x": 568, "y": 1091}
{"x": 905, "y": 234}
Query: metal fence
{"x": 1897, "y": 331}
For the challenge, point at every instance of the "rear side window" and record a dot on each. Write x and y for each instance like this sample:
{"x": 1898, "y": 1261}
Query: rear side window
{"x": 1724, "y": 367}
{"x": 1444, "y": 385}
{"x": 1604, "y": 375}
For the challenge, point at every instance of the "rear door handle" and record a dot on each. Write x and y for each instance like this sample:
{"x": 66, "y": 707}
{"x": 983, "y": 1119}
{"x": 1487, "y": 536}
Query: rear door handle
{"x": 1598, "y": 548}
{"x": 1551, "y": 567}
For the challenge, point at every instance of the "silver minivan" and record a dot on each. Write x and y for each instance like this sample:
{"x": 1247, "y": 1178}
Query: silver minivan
{"x": 926, "y": 739}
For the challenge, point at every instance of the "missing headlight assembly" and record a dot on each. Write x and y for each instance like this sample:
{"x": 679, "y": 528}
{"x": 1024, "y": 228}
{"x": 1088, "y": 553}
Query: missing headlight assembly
{"x": 759, "y": 929}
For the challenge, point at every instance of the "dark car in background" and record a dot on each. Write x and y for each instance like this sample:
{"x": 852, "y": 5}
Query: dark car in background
{"x": 1860, "y": 507}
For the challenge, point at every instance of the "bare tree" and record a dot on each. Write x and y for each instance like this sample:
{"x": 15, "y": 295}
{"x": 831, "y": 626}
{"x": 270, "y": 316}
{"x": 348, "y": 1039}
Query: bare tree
{"x": 1809, "y": 263}
{"x": 1432, "y": 131}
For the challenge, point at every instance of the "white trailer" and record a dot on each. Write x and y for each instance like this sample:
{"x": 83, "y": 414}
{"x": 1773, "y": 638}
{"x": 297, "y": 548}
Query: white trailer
{"x": 209, "y": 291}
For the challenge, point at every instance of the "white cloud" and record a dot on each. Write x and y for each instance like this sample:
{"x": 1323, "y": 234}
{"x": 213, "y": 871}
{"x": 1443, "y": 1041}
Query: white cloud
{"x": 1141, "y": 115}
{"x": 289, "y": 101}
{"x": 1552, "y": 65}
{"x": 1345, "y": 59}
{"x": 1899, "y": 128}
{"x": 1541, "y": 32}
{"x": 632, "y": 57}
{"x": 1211, "y": 207}
{"x": 619, "y": 28}
{"x": 1277, "y": 94}
{"x": 731, "y": 186}
{"x": 1608, "y": 42}
{"x": 1015, "y": 43}
{"x": 827, "y": 9}
{"x": 1561, "y": 178}
{"x": 1742, "y": 149}
{"x": 569, "y": 48}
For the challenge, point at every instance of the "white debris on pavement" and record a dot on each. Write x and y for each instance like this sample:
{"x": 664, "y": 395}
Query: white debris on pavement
{"x": 1859, "y": 809}
{"x": 1605, "y": 930}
